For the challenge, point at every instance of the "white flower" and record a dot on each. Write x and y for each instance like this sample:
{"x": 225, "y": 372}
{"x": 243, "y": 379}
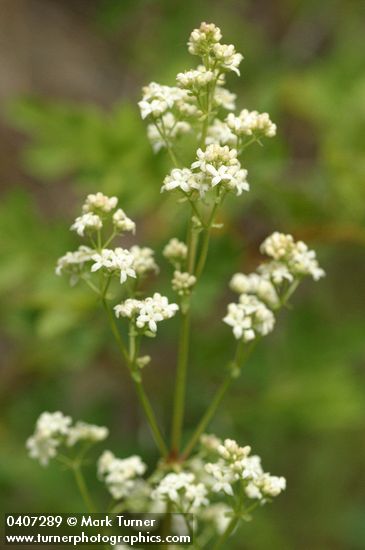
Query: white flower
{"x": 252, "y": 491}
{"x": 231, "y": 451}
{"x": 54, "y": 429}
{"x": 249, "y": 318}
{"x": 251, "y": 122}
{"x": 181, "y": 489}
{"x": 182, "y": 283}
{"x": 275, "y": 271}
{"x": 120, "y": 475}
{"x": 250, "y": 467}
{"x": 196, "y": 497}
{"x": 50, "y": 429}
{"x": 121, "y": 221}
{"x": 42, "y": 448}
{"x": 50, "y": 424}
{"x": 224, "y": 98}
{"x": 178, "y": 179}
{"x": 99, "y": 202}
{"x": 202, "y": 39}
{"x": 128, "y": 308}
{"x": 278, "y": 245}
{"x": 153, "y": 310}
{"x": 227, "y": 57}
{"x": 89, "y": 432}
{"x": 215, "y": 155}
{"x": 157, "y": 99}
{"x": 304, "y": 262}
{"x": 272, "y": 485}
{"x": 236, "y": 466}
{"x": 175, "y": 251}
{"x": 238, "y": 182}
{"x": 265, "y": 485}
{"x": 295, "y": 256}
{"x": 91, "y": 222}
{"x": 147, "y": 312}
{"x": 255, "y": 284}
{"x": 220, "y": 133}
{"x": 223, "y": 477}
{"x": 196, "y": 78}
{"x": 118, "y": 260}
{"x": 218, "y": 175}
{"x": 73, "y": 262}
{"x": 143, "y": 260}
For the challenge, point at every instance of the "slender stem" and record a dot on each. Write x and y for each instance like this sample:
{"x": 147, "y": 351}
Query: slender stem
{"x": 80, "y": 481}
{"x": 165, "y": 138}
{"x": 115, "y": 330}
{"x": 238, "y": 363}
{"x": 229, "y": 530}
{"x": 180, "y": 386}
{"x": 146, "y": 405}
{"x": 218, "y": 397}
{"x": 145, "y": 402}
{"x": 206, "y": 241}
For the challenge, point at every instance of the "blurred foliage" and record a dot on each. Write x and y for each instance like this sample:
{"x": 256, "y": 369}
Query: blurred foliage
{"x": 301, "y": 400}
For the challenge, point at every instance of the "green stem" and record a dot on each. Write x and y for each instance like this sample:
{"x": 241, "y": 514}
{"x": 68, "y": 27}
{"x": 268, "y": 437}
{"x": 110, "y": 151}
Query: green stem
{"x": 180, "y": 387}
{"x": 238, "y": 363}
{"x": 165, "y": 138}
{"x": 208, "y": 416}
{"x": 146, "y": 405}
{"x": 80, "y": 481}
{"x": 115, "y": 330}
{"x": 206, "y": 240}
{"x": 217, "y": 399}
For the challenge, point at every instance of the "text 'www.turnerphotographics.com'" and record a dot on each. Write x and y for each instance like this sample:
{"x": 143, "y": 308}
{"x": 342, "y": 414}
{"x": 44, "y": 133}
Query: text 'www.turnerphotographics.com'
{"x": 93, "y": 529}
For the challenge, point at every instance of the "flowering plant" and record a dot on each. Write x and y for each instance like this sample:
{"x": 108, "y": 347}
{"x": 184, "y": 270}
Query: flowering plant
{"x": 217, "y": 480}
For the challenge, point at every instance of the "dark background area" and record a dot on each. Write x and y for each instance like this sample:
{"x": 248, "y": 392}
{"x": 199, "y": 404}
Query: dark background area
{"x": 71, "y": 73}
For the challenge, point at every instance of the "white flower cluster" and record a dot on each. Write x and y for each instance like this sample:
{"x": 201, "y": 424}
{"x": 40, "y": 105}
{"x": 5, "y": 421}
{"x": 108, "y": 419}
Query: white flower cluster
{"x": 249, "y": 318}
{"x": 136, "y": 262}
{"x": 205, "y": 42}
{"x": 171, "y": 110}
{"x": 55, "y": 429}
{"x": 236, "y": 466}
{"x": 251, "y": 123}
{"x": 182, "y": 490}
{"x": 258, "y": 285}
{"x": 95, "y": 210}
{"x": 175, "y": 252}
{"x": 158, "y": 99}
{"x": 87, "y": 222}
{"x": 119, "y": 261}
{"x": 122, "y": 223}
{"x": 73, "y": 263}
{"x": 99, "y": 202}
{"x": 294, "y": 255}
{"x": 247, "y": 123}
{"x": 183, "y": 282}
{"x": 195, "y": 78}
{"x": 120, "y": 475}
{"x": 148, "y": 312}
{"x": 216, "y": 165}
{"x": 262, "y": 291}
{"x": 143, "y": 260}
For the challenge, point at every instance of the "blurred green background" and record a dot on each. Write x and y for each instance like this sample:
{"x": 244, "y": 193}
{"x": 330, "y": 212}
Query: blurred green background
{"x": 71, "y": 73}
